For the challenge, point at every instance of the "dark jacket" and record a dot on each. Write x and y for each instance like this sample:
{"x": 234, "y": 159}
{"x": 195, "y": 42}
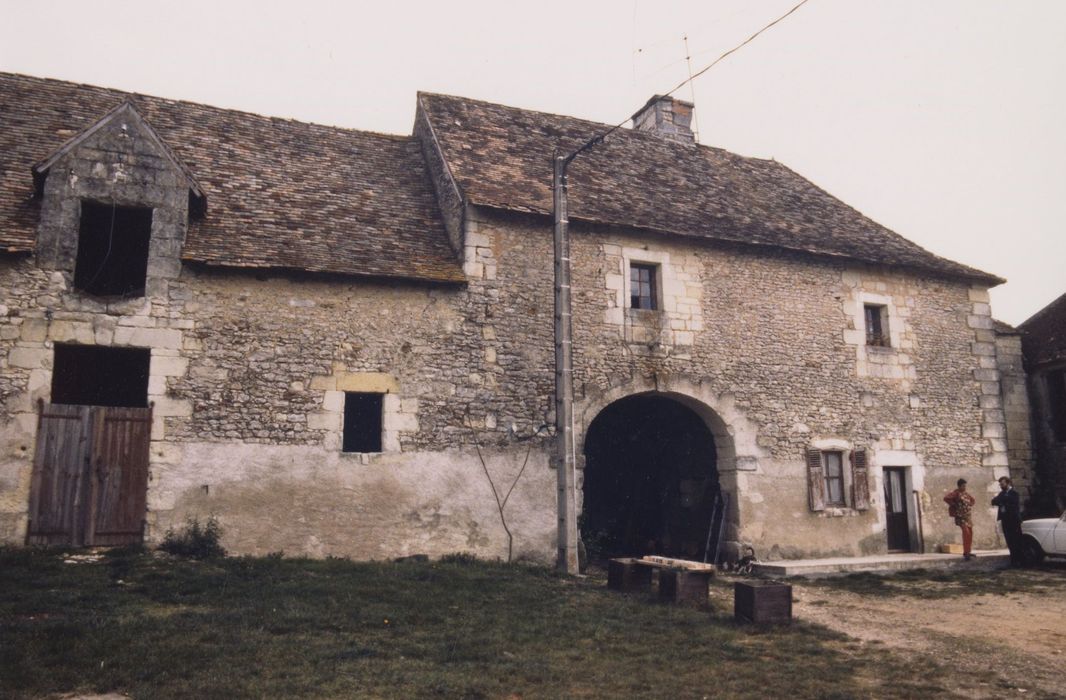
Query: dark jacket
{"x": 1009, "y": 504}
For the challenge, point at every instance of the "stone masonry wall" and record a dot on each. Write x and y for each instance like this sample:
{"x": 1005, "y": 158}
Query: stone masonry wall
{"x": 1015, "y": 398}
{"x": 773, "y": 339}
{"x": 248, "y": 375}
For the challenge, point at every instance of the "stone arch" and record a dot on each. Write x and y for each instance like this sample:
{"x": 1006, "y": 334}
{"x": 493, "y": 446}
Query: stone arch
{"x": 735, "y": 447}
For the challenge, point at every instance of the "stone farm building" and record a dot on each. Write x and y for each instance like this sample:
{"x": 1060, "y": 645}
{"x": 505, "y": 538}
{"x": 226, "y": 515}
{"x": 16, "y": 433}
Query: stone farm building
{"x": 1043, "y": 340}
{"x": 326, "y": 337}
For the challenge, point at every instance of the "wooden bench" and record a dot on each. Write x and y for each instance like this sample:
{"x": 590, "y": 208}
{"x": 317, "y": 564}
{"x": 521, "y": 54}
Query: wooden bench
{"x": 680, "y": 580}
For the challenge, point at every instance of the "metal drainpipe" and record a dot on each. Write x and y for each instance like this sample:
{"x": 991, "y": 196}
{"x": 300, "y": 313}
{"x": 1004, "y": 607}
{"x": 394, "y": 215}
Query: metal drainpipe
{"x": 565, "y": 462}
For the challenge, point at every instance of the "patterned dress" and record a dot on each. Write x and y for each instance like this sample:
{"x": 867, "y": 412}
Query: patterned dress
{"x": 962, "y": 507}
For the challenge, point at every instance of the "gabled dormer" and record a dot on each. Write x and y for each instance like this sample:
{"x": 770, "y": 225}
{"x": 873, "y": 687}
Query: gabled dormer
{"x": 115, "y": 207}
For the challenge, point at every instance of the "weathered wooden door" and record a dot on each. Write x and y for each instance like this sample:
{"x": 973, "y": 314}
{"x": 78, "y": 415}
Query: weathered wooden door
{"x": 90, "y": 475}
{"x": 899, "y": 535}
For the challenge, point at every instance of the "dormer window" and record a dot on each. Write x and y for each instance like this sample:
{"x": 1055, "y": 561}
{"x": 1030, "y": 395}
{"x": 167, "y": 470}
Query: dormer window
{"x": 113, "y": 250}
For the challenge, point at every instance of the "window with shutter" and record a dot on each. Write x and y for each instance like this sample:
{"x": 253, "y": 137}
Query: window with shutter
{"x": 860, "y": 485}
{"x": 815, "y": 480}
{"x": 833, "y": 466}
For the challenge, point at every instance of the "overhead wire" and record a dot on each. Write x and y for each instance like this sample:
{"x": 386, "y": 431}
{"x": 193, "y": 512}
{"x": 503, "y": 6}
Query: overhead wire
{"x": 595, "y": 140}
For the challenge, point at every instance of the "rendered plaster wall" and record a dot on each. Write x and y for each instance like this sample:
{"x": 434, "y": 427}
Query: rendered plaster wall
{"x": 769, "y": 345}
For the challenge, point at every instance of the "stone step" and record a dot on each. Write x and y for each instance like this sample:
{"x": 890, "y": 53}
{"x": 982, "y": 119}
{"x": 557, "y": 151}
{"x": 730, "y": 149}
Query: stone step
{"x": 884, "y": 563}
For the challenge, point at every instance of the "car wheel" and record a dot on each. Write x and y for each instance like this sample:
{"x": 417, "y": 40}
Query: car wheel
{"x": 1032, "y": 552}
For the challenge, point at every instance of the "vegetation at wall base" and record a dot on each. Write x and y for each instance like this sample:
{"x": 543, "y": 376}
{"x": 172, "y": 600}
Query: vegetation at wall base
{"x": 195, "y": 541}
{"x": 161, "y": 627}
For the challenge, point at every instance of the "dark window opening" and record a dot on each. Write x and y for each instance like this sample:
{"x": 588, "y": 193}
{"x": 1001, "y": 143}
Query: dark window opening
{"x": 1056, "y": 394}
{"x": 833, "y": 463}
{"x": 876, "y": 325}
{"x": 113, "y": 250}
{"x": 91, "y": 375}
{"x": 642, "y": 286}
{"x": 362, "y": 422}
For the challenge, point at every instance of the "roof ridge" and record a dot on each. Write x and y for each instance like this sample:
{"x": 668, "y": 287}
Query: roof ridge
{"x": 203, "y": 105}
{"x": 629, "y": 131}
{"x": 1048, "y": 308}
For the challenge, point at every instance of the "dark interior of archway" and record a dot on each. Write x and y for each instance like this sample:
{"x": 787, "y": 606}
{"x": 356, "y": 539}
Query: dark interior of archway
{"x": 650, "y": 480}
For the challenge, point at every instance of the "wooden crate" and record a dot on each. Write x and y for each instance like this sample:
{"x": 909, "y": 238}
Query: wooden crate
{"x": 627, "y": 575}
{"x": 684, "y": 586}
{"x": 762, "y": 602}
{"x": 951, "y": 548}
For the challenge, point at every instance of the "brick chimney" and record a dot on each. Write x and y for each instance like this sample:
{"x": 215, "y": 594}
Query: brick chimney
{"x": 668, "y": 117}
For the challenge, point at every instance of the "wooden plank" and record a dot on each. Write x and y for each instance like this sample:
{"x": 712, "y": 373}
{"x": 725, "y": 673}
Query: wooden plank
{"x": 667, "y": 562}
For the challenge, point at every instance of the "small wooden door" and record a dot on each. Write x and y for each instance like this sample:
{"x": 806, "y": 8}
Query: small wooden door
{"x": 896, "y": 525}
{"x": 90, "y": 475}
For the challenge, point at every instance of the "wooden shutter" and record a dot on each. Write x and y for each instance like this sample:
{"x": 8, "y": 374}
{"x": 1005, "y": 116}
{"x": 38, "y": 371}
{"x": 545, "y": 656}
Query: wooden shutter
{"x": 860, "y": 485}
{"x": 816, "y": 479}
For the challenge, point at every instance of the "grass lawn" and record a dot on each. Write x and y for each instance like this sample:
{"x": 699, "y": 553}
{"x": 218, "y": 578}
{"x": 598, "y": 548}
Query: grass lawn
{"x": 151, "y": 627}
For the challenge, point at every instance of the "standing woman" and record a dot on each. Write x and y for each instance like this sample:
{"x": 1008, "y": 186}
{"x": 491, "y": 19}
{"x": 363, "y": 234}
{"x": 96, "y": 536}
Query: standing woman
{"x": 960, "y": 507}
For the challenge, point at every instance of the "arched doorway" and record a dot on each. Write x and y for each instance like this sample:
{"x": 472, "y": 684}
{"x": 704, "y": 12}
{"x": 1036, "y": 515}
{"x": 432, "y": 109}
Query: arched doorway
{"x": 651, "y": 479}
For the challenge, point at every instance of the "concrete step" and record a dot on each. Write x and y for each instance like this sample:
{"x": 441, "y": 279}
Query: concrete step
{"x": 882, "y": 564}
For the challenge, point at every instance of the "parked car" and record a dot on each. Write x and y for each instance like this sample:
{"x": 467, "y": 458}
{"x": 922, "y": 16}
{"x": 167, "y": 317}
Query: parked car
{"x": 1044, "y": 537}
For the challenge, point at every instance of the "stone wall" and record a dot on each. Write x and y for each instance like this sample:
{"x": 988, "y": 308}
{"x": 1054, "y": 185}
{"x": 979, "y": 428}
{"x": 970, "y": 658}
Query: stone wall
{"x": 1015, "y": 396}
{"x": 768, "y": 343}
{"x": 248, "y": 374}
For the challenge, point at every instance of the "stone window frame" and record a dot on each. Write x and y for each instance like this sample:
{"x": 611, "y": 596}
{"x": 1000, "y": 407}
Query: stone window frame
{"x": 399, "y": 414}
{"x": 654, "y": 294}
{"x": 374, "y": 421}
{"x": 878, "y": 339}
{"x": 645, "y": 258}
{"x": 846, "y": 448}
{"x": 94, "y": 202}
{"x": 890, "y": 321}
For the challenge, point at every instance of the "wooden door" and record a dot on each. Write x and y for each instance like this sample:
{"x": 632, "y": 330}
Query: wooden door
{"x": 59, "y": 486}
{"x": 90, "y": 475}
{"x": 896, "y": 525}
{"x": 119, "y": 460}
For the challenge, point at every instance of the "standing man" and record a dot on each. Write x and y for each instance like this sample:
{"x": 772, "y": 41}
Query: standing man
{"x": 1009, "y": 516}
{"x": 960, "y": 507}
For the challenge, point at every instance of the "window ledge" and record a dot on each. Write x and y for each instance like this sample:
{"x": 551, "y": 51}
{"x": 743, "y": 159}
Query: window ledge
{"x": 839, "y": 512}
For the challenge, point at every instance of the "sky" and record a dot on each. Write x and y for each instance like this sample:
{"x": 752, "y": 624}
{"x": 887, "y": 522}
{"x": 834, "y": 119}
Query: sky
{"x": 944, "y": 120}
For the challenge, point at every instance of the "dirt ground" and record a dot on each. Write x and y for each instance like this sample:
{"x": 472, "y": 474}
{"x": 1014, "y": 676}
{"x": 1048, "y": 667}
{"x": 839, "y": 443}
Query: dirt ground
{"x": 995, "y": 645}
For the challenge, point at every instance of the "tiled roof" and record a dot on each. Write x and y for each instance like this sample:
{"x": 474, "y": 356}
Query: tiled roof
{"x": 501, "y": 157}
{"x": 280, "y": 193}
{"x": 1044, "y": 334}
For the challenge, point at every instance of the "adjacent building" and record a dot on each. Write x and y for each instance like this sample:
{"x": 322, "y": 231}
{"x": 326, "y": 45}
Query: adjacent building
{"x": 1044, "y": 346}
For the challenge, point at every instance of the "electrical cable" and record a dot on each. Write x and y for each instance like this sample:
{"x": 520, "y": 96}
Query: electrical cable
{"x": 595, "y": 140}
{"x": 110, "y": 241}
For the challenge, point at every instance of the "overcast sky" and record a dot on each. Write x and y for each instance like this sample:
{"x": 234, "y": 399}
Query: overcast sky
{"x": 944, "y": 120}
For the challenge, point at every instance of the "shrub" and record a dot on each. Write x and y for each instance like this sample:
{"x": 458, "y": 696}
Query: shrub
{"x": 460, "y": 558}
{"x": 195, "y": 541}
